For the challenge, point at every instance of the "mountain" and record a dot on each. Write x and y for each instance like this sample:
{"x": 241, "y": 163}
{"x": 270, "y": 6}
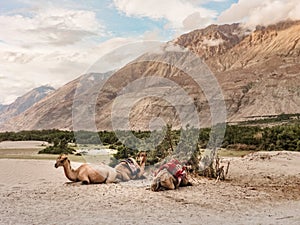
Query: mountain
{"x": 212, "y": 41}
{"x": 21, "y": 104}
{"x": 258, "y": 72}
{"x": 259, "y": 75}
{"x": 54, "y": 111}
{"x": 228, "y": 47}
{"x": 2, "y": 107}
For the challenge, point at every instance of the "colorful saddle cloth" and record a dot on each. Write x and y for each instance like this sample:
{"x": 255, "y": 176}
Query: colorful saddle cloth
{"x": 175, "y": 168}
{"x": 132, "y": 167}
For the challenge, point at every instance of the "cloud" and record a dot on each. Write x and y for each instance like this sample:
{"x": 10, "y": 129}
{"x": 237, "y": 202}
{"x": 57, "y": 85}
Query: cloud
{"x": 257, "y": 12}
{"x": 52, "y": 26}
{"x": 49, "y": 47}
{"x": 121, "y": 51}
{"x": 53, "y": 44}
{"x": 181, "y": 15}
{"x": 45, "y": 45}
{"x": 7, "y": 95}
{"x": 24, "y": 69}
{"x": 192, "y": 21}
{"x": 198, "y": 2}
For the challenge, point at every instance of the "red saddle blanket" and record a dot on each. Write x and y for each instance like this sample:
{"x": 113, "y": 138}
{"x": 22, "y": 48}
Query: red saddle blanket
{"x": 174, "y": 167}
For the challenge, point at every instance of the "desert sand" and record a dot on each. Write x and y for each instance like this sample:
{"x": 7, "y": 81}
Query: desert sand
{"x": 262, "y": 188}
{"x": 22, "y": 144}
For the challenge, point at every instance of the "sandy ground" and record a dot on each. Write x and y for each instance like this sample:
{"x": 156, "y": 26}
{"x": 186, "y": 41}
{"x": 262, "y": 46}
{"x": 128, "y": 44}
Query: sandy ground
{"x": 263, "y": 188}
{"x": 21, "y": 144}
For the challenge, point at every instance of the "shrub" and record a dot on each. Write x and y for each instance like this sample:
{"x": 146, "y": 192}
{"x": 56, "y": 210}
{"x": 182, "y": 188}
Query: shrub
{"x": 57, "y": 150}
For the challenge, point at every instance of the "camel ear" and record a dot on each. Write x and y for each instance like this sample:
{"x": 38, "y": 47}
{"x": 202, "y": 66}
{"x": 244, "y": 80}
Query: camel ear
{"x": 142, "y": 152}
{"x": 66, "y": 158}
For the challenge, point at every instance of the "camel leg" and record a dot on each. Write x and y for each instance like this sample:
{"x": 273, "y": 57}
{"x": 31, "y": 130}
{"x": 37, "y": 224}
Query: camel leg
{"x": 125, "y": 177}
{"x": 172, "y": 186}
{"x": 111, "y": 179}
{"x": 85, "y": 182}
{"x": 83, "y": 178}
{"x": 185, "y": 182}
{"x": 140, "y": 174}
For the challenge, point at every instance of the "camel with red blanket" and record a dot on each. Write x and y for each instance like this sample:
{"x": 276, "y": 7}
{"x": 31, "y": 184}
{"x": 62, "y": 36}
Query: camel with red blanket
{"x": 130, "y": 169}
{"x": 170, "y": 176}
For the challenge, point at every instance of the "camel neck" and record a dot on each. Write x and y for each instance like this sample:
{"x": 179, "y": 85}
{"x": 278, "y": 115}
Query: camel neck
{"x": 143, "y": 164}
{"x": 69, "y": 172}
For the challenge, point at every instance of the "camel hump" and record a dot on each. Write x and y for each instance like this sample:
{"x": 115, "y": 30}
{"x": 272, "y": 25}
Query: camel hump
{"x": 174, "y": 167}
{"x": 132, "y": 166}
{"x": 106, "y": 171}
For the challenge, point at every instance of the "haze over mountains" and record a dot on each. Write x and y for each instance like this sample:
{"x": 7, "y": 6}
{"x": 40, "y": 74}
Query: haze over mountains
{"x": 257, "y": 71}
{"x": 24, "y": 102}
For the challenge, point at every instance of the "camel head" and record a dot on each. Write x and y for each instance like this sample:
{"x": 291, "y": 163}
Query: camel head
{"x": 61, "y": 160}
{"x": 141, "y": 157}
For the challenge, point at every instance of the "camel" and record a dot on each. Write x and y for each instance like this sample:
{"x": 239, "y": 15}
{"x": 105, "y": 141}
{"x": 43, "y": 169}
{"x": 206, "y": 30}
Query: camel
{"x": 170, "y": 176}
{"x": 87, "y": 173}
{"x": 130, "y": 169}
{"x": 164, "y": 180}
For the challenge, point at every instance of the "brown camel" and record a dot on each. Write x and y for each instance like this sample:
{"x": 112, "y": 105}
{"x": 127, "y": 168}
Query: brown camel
{"x": 130, "y": 169}
{"x": 87, "y": 173}
{"x": 163, "y": 181}
{"x": 170, "y": 176}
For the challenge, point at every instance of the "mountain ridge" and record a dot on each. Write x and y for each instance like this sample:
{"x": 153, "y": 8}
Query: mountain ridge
{"x": 258, "y": 73}
{"x": 21, "y": 104}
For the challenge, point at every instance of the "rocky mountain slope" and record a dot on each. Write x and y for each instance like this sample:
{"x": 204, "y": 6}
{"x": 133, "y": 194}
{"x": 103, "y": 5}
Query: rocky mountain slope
{"x": 258, "y": 73}
{"x": 55, "y": 110}
{"x": 2, "y": 107}
{"x": 24, "y": 102}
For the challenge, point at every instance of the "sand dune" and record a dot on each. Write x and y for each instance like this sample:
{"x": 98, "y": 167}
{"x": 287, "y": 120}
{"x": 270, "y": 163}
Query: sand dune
{"x": 263, "y": 188}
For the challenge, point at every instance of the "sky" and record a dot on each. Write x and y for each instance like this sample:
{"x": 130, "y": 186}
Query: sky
{"x": 51, "y": 42}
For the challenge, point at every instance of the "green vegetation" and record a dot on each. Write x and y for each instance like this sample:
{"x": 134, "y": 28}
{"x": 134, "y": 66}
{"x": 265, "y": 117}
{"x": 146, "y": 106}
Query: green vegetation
{"x": 282, "y": 118}
{"x": 38, "y": 135}
{"x": 281, "y": 137}
{"x": 58, "y": 138}
{"x": 59, "y": 147}
{"x": 237, "y": 138}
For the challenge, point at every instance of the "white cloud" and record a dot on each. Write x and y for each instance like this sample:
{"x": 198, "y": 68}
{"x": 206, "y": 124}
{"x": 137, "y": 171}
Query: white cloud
{"x": 24, "y": 69}
{"x": 152, "y": 35}
{"x": 45, "y": 46}
{"x": 14, "y": 88}
{"x": 257, "y": 12}
{"x": 121, "y": 51}
{"x": 191, "y": 22}
{"x": 52, "y": 26}
{"x": 52, "y": 45}
{"x": 198, "y": 2}
{"x": 174, "y": 11}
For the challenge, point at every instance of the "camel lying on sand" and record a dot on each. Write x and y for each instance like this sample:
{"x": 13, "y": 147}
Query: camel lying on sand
{"x": 129, "y": 169}
{"x": 87, "y": 173}
{"x": 170, "y": 176}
